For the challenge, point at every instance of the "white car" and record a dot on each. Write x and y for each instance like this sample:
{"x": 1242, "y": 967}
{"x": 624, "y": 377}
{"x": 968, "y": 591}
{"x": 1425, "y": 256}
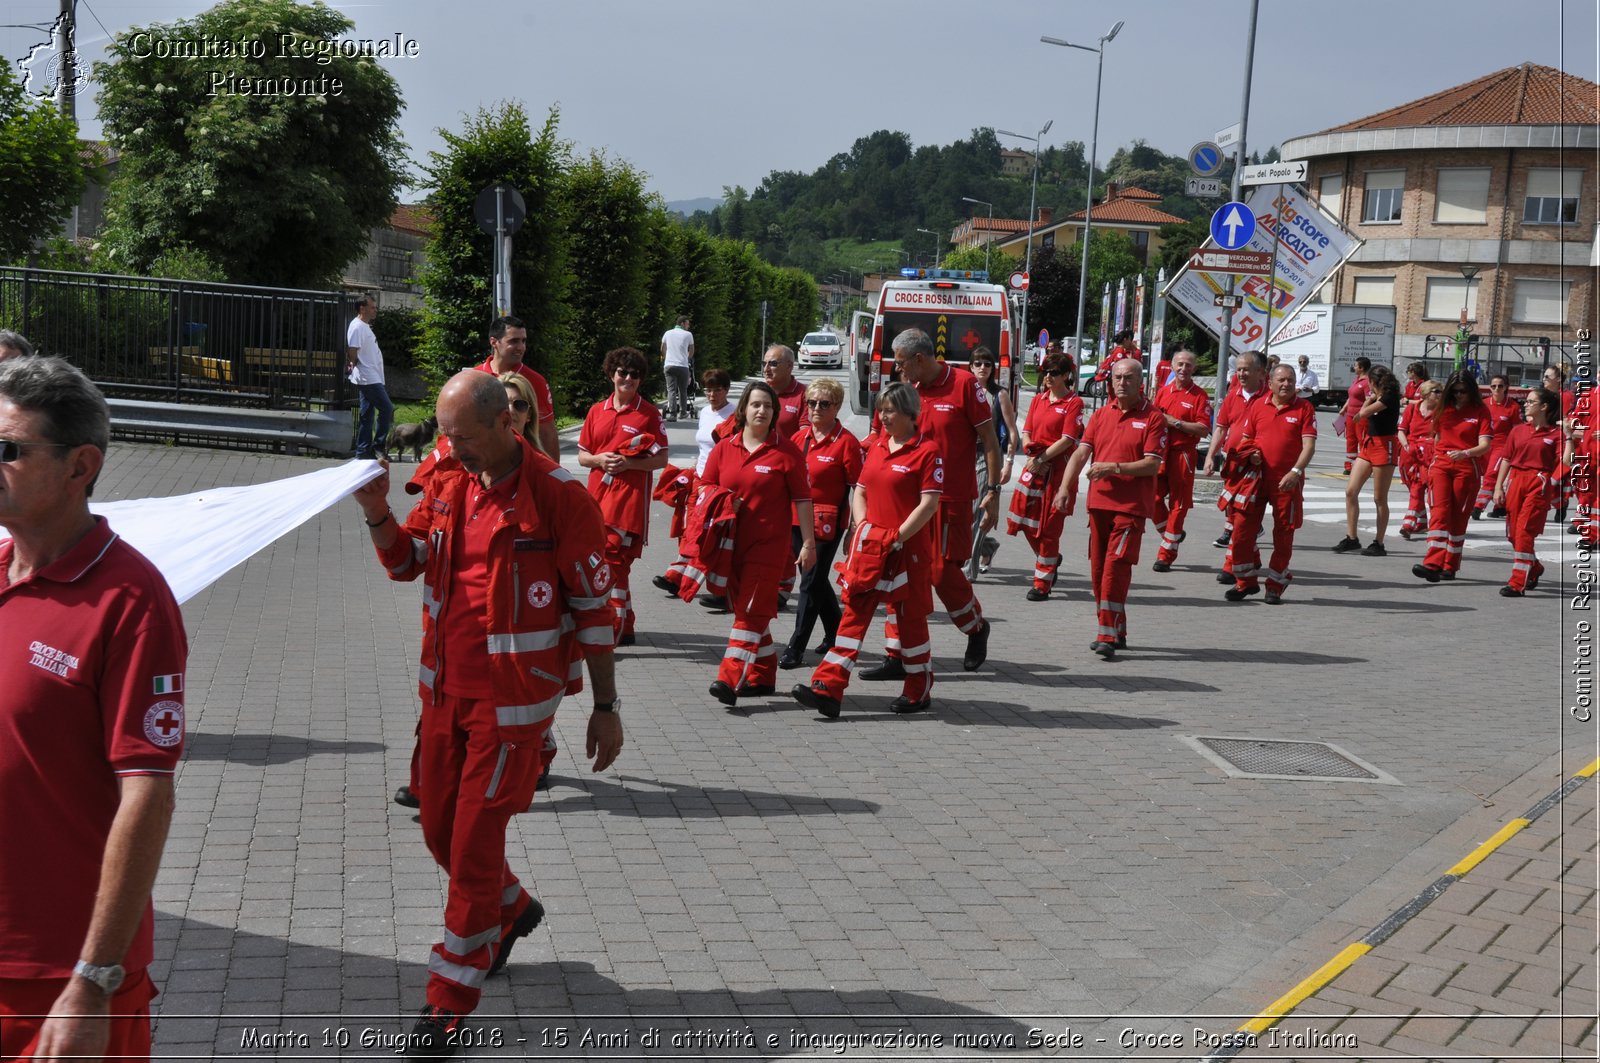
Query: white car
{"x": 821, "y": 349}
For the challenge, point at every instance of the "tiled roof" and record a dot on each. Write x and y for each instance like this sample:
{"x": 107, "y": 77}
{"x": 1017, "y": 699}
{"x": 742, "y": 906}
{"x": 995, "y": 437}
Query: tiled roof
{"x": 411, "y": 217}
{"x": 1131, "y": 211}
{"x": 1529, "y": 94}
{"x": 1137, "y": 193}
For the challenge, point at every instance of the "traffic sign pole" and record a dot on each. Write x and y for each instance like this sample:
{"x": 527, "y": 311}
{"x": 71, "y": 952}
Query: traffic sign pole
{"x": 1238, "y": 165}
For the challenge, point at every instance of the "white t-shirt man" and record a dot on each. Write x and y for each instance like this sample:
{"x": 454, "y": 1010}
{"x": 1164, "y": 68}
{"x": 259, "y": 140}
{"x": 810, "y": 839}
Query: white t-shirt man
{"x": 369, "y": 359}
{"x": 1305, "y": 381}
{"x": 677, "y": 344}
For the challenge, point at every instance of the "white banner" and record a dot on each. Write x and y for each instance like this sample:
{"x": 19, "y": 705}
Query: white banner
{"x": 1308, "y": 245}
{"x": 195, "y": 539}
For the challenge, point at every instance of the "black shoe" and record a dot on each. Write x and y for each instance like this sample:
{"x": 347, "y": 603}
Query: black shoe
{"x": 1273, "y": 598}
{"x": 977, "y": 649}
{"x": 905, "y": 706}
{"x": 1509, "y": 591}
{"x": 1561, "y": 514}
{"x": 1161, "y": 566}
{"x": 891, "y": 668}
{"x": 544, "y": 779}
{"x": 1225, "y": 577}
{"x": 531, "y": 917}
{"x": 711, "y": 601}
{"x": 1533, "y": 581}
{"x": 783, "y": 602}
{"x": 815, "y": 700}
{"x": 1477, "y": 513}
{"x": 1374, "y": 549}
{"x": 1424, "y": 572}
{"x": 724, "y": 693}
{"x": 1223, "y": 540}
{"x": 1037, "y": 595}
{"x": 765, "y": 690}
{"x": 1406, "y": 533}
{"x": 823, "y": 647}
{"x": 1107, "y": 650}
{"x": 790, "y": 659}
{"x": 406, "y": 799}
{"x": 1447, "y": 575}
{"x": 627, "y": 638}
{"x": 1122, "y": 642}
{"x": 1239, "y": 594}
{"x": 1497, "y": 513}
{"x": 664, "y": 584}
{"x": 1347, "y": 544}
{"x": 1181, "y": 537}
{"x": 431, "y": 1037}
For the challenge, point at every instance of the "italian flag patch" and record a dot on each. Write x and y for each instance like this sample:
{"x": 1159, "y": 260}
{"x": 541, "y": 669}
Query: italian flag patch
{"x": 167, "y": 684}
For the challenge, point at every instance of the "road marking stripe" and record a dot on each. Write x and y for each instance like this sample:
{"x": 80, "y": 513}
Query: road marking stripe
{"x": 1494, "y": 841}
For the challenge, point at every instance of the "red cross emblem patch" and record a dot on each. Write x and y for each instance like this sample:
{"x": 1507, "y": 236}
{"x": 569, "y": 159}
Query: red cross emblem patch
{"x": 163, "y": 723}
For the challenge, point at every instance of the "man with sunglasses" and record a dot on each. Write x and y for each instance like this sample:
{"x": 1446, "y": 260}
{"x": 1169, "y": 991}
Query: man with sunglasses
{"x": 92, "y": 656}
{"x": 777, "y": 368}
{"x": 508, "y": 346}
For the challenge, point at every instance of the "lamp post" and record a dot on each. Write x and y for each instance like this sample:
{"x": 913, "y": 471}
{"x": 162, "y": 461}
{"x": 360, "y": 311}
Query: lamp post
{"x": 935, "y": 236}
{"x": 1467, "y": 273}
{"x": 1033, "y": 214}
{"x": 988, "y": 234}
{"x": 902, "y": 251}
{"x": 1094, "y": 144}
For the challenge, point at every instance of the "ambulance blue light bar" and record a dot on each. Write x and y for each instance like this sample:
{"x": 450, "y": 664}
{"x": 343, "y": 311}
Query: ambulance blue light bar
{"x": 923, "y": 273}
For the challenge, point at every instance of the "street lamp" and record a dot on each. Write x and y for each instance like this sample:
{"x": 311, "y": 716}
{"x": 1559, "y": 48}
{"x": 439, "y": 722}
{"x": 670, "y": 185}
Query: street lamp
{"x": 988, "y": 235}
{"x": 936, "y": 242}
{"x": 1462, "y": 335}
{"x": 1033, "y": 213}
{"x": 902, "y": 251}
{"x": 1094, "y": 144}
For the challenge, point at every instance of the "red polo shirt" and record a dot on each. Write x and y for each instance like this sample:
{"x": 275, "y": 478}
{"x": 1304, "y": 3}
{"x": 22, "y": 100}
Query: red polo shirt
{"x": 1279, "y": 432}
{"x": 833, "y": 464}
{"x": 1360, "y": 391}
{"x": 1528, "y": 447}
{"x": 607, "y": 428}
{"x": 953, "y": 406}
{"x": 1502, "y": 417}
{"x": 92, "y": 655}
{"x": 1050, "y": 419}
{"x": 1126, "y": 436}
{"x": 465, "y": 616}
{"x": 894, "y": 483}
{"x": 1459, "y": 429}
{"x": 792, "y": 412}
{"x": 767, "y": 481}
{"x": 541, "y": 389}
{"x": 1189, "y": 404}
{"x": 1235, "y": 404}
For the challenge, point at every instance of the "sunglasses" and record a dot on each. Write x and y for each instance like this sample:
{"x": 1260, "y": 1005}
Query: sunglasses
{"x": 630, "y": 374}
{"x": 11, "y": 449}
{"x": 820, "y": 404}
{"x": 983, "y": 365}
{"x": 520, "y": 405}
{"x": 1054, "y": 372}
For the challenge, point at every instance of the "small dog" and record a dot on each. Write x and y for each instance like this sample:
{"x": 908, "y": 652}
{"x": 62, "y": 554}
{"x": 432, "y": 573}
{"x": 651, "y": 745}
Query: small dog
{"x": 415, "y": 436}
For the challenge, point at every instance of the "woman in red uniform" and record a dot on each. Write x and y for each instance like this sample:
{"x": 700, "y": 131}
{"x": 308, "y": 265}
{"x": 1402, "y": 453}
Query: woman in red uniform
{"x": 1524, "y": 486}
{"x": 1052, "y": 429}
{"x": 898, "y": 495}
{"x": 1416, "y": 454}
{"x": 1503, "y": 414}
{"x": 1379, "y": 418}
{"x": 833, "y": 465}
{"x": 622, "y": 443}
{"x": 767, "y": 477}
{"x": 1461, "y": 438}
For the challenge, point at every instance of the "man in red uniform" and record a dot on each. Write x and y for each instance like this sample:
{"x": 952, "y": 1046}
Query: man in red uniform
{"x": 1504, "y": 414}
{"x": 1249, "y": 386}
{"x": 508, "y": 346}
{"x": 514, "y": 602}
{"x": 957, "y": 416}
{"x": 1187, "y": 411}
{"x": 92, "y": 655}
{"x": 1282, "y": 431}
{"x": 1122, "y": 448}
{"x": 777, "y": 368}
{"x": 1360, "y": 391}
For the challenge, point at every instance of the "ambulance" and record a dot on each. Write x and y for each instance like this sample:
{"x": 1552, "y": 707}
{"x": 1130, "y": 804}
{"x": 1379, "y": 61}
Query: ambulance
{"x": 958, "y": 308}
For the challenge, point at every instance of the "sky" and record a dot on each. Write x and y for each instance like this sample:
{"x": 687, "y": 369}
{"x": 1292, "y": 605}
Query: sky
{"x": 703, "y": 94}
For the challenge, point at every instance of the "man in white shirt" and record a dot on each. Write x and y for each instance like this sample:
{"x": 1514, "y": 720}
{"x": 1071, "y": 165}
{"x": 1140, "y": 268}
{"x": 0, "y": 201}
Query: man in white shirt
{"x": 1305, "y": 380}
{"x": 364, "y": 361}
{"x": 677, "y": 358}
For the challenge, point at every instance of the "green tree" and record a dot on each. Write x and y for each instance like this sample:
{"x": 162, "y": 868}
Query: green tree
{"x": 496, "y": 145}
{"x": 43, "y": 172}
{"x": 1000, "y": 264}
{"x": 277, "y": 167}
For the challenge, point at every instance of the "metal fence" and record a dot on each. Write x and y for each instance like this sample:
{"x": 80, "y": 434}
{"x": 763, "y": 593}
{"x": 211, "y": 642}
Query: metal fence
{"x": 187, "y": 341}
{"x": 1522, "y": 359}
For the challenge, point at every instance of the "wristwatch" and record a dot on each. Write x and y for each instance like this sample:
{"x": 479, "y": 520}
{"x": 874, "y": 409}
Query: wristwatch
{"x": 108, "y": 978}
{"x": 609, "y": 706}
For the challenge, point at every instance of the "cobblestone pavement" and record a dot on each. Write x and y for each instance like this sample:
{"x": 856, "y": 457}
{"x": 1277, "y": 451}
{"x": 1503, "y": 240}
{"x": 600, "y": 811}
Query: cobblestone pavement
{"x": 1042, "y": 851}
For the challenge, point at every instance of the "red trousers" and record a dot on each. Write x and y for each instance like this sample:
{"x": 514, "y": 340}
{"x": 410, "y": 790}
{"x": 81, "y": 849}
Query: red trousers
{"x": 1046, "y": 540}
{"x": 954, "y": 548}
{"x": 1174, "y": 500}
{"x": 1286, "y": 518}
{"x": 1527, "y": 505}
{"x": 1491, "y": 472}
{"x": 1452, "y": 486}
{"x": 1354, "y": 433}
{"x": 26, "y": 1002}
{"x": 751, "y": 658}
{"x": 1583, "y": 480}
{"x": 474, "y": 778}
{"x": 1416, "y": 505}
{"x": 621, "y": 551}
{"x": 910, "y": 617}
{"x": 1113, "y": 551}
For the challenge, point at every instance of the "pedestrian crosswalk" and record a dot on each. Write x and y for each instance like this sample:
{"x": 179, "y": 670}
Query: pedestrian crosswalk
{"x": 1324, "y": 503}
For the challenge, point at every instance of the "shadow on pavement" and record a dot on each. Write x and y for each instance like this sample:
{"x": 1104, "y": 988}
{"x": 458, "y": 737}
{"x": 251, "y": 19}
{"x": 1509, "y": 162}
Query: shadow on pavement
{"x": 284, "y": 1009}
{"x": 267, "y": 750}
{"x": 654, "y": 798}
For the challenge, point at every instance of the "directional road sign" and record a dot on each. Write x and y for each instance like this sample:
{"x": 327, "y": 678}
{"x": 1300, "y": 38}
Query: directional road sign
{"x": 1228, "y": 302}
{"x": 1232, "y": 225}
{"x": 1228, "y": 137}
{"x": 1202, "y": 187}
{"x": 1205, "y": 159}
{"x": 1274, "y": 173}
{"x": 1211, "y": 260}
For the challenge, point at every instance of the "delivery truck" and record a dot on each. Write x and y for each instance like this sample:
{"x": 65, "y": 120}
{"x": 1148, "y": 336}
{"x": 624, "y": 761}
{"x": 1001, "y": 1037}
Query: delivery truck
{"x": 1332, "y": 336}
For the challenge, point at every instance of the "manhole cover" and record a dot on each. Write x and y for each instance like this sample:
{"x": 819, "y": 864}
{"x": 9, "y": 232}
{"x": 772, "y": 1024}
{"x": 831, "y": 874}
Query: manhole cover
{"x": 1264, "y": 758}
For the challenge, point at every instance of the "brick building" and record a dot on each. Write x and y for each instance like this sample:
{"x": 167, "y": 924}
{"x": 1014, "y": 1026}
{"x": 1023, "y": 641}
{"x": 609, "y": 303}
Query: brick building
{"x": 1498, "y": 174}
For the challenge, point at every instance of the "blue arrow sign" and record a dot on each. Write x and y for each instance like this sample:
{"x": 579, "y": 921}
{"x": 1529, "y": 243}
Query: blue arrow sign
{"x": 1232, "y": 225}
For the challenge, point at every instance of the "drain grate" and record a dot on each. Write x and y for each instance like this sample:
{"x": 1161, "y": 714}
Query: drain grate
{"x": 1263, "y": 758}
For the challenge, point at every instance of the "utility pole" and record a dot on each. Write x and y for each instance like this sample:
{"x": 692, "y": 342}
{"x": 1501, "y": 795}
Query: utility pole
{"x": 67, "y": 83}
{"x": 1225, "y": 342}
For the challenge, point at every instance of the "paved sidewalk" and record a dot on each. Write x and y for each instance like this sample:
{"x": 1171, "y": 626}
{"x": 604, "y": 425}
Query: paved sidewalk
{"x": 1042, "y": 851}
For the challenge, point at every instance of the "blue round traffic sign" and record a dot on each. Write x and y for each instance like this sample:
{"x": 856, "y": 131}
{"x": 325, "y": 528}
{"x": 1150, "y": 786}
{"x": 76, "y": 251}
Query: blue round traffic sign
{"x": 1232, "y": 225}
{"x": 1205, "y": 159}
{"x": 1044, "y": 338}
